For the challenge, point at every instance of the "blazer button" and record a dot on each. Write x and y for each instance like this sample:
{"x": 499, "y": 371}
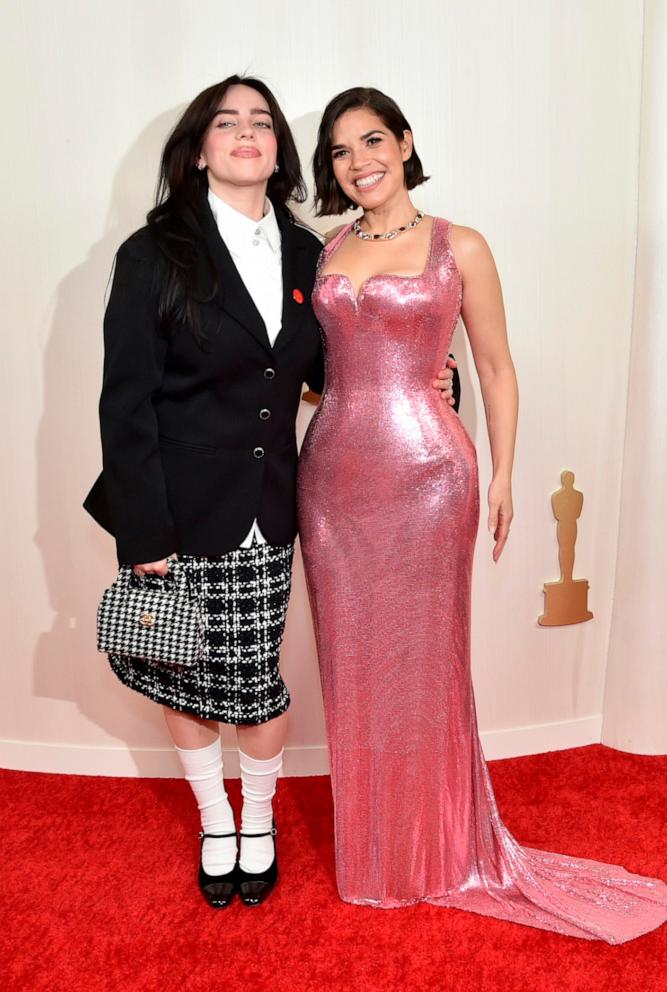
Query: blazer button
{"x": 269, "y": 373}
{"x": 258, "y": 452}
{"x": 264, "y": 414}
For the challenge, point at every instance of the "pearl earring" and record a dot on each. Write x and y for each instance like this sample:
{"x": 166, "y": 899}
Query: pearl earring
{"x": 276, "y": 169}
{"x": 201, "y": 165}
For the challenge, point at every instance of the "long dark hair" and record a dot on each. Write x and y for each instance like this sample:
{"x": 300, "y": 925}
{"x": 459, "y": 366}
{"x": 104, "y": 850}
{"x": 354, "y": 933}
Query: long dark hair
{"x": 175, "y": 220}
{"x": 329, "y": 198}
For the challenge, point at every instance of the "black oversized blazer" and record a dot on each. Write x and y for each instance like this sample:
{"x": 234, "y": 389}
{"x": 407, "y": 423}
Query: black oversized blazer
{"x": 198, "y": 441}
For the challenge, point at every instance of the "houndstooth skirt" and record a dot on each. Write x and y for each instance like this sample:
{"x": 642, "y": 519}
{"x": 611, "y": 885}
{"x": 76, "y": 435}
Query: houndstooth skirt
{"x": 243, "y": 597}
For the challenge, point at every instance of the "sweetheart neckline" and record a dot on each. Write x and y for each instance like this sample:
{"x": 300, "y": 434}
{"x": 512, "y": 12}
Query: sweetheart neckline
{"x": 379, "y": 275}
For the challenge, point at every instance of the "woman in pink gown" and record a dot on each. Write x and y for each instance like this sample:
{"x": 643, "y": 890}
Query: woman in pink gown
{"x": 388, "y": 517}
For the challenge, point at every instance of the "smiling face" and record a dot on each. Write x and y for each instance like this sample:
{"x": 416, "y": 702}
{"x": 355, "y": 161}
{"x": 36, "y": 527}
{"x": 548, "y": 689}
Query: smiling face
{"x": 368, "y": 158}
{"x": 240, "y": 147}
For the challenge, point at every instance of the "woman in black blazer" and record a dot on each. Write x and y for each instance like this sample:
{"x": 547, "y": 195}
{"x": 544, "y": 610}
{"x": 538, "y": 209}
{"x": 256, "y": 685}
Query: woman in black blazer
{"x": 209, "y": 337}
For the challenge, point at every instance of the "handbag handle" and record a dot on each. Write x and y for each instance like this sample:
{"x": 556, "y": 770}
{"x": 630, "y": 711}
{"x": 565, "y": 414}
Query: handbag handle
{"x": 176, "y": 580}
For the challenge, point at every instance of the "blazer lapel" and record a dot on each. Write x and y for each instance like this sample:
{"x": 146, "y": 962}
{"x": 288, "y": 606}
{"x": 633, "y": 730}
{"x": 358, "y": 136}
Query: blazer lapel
{"x": 294, "y": 286}
{"x": 233, "y": 296}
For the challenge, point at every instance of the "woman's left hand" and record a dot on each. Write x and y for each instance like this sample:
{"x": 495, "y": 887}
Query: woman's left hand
{"x": 500, "y": 514}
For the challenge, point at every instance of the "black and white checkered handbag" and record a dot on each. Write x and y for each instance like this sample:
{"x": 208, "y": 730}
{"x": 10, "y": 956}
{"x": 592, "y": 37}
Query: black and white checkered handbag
{"x": 153, "y": 618}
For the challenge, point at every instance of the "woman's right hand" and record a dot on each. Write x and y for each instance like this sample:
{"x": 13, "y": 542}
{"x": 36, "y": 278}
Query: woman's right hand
{"x": 152, "y": 568}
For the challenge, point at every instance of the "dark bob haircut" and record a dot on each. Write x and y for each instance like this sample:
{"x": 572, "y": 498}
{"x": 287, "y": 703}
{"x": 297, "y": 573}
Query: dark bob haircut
{"x": 176, "y": 218}
{"x": 329, "y": 198}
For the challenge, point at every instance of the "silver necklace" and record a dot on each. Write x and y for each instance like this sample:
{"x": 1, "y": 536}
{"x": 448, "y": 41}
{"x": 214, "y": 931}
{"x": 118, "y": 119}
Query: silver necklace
{"x": 388, "y": 235}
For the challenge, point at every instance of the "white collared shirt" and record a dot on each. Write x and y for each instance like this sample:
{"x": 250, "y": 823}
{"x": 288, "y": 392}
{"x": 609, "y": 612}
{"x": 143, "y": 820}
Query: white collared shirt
{"x": 256, "y": 251}
{"x": 255, "y": 248}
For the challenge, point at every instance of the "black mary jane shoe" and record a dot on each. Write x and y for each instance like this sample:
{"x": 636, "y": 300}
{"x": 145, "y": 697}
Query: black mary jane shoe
{"x": 217, "y": 890}
{"x": 255, "y": 887}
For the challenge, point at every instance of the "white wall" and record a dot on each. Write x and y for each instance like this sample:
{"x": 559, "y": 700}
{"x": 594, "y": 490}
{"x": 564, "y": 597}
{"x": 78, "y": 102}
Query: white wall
{"x": 636, "y": 690}
{"x": 526, "y": 114}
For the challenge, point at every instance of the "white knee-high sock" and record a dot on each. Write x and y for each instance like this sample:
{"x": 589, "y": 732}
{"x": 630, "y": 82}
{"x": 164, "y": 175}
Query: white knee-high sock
{"x": 258, "y": 785}
{"x": 203, "y": 770}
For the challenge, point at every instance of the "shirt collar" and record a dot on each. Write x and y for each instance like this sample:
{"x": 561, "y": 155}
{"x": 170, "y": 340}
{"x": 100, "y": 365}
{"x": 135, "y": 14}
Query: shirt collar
{"x": 238, "y": 231}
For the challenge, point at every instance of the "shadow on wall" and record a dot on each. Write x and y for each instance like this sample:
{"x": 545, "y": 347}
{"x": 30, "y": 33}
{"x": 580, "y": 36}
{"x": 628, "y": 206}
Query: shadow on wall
{"x": 79, "y": 559}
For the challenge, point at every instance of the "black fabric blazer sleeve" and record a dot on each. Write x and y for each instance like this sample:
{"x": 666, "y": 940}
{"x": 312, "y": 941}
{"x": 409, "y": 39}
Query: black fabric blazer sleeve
{"x": 456, "y": 387}
{"x": 315, "y": 377}
{"x": 134, "y": 355}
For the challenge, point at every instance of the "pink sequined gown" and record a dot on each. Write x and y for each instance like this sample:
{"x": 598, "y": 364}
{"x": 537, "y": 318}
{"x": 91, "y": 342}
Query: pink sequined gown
{"x": 388, "y": 511}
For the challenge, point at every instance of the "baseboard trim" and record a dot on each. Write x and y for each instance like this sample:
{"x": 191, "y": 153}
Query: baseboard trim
{"x": 515, "y": 742}
{"x": 161, "y": 762}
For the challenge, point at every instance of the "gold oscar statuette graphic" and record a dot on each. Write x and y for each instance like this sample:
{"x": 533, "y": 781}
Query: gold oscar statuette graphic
{"x": 566, "y": 601}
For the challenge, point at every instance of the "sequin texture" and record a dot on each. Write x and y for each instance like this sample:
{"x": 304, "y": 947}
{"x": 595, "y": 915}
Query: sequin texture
{"x": 388, "y": 515}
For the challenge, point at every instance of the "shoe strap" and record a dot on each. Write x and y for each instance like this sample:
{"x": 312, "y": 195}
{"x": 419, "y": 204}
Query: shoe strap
{"x": 202, "y": 835}
{"x": 269, "y": 833}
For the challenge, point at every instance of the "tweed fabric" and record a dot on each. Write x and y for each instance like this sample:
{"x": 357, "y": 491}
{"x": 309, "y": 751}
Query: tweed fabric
{"x": 243, "y": 597}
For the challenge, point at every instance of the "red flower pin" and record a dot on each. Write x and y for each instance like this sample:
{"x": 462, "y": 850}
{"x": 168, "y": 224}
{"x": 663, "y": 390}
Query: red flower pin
{"x": 297, "y": 296}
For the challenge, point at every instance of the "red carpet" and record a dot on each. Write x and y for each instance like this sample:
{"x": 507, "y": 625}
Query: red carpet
{"x": 99, "y": 893}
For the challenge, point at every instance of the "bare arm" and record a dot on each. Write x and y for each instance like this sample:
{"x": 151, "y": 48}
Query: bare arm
{"x": 484, "y": 319}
